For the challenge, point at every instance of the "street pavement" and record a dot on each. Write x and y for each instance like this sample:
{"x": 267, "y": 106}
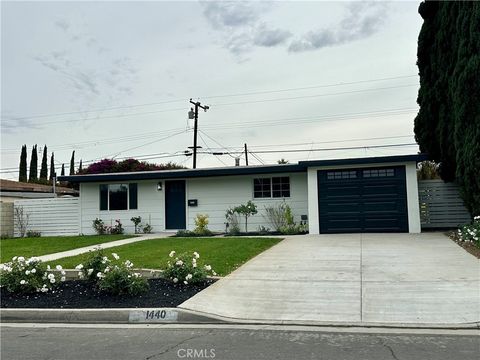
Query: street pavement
{"x": 351, "y": 278}
{"x": 24, "y": 342}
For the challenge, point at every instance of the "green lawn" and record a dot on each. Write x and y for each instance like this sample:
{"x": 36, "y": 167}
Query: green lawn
{"x": 37, "y": 246}
{"x": 224, "y": 254}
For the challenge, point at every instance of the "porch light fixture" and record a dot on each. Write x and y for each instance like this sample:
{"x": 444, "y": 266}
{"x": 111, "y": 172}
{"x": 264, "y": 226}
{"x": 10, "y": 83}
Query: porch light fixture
{"x": 159, "y": 186}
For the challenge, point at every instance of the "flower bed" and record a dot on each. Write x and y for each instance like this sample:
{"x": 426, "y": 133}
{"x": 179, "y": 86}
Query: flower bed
{"x": 80, "y": 294}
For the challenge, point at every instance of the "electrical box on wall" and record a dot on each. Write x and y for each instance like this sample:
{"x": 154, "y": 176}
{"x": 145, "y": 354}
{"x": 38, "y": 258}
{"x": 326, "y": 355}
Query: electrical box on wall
{"x": 192, "y": 202}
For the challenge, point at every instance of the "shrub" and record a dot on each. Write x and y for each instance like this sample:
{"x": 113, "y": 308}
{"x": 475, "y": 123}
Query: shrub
{"x": 32, "y": 233}
{"x": 470, "y": 233}
{"x": 262, "y": 230}
{"x": 201, "y": 225}
{"x": 117, "y": 228}
{"x": 99, "y": 226}
{"x": 187, "y": 269}
{"x": 119, "y": 279}
{"x": 147, "y": 228}
{"x": 96, "y": 263}
{"x": 21, "y": 220}
{"x": 112, "y": 275}
{"x": 246, "y": 210}
{"x": 136, "y": 221}
{"x": 233, "y": 227}
{"x": 24, "y": 276}
{"x": 275, "y": 215}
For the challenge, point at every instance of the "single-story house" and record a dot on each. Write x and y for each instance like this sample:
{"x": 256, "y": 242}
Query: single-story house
{"x": 372, "y": 194}
{"x": 15, "y": 190}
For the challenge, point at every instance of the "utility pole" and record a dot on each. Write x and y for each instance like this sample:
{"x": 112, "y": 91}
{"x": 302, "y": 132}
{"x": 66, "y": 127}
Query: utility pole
{"x": 246, "y": 155}
{"x": 193, "y": 114}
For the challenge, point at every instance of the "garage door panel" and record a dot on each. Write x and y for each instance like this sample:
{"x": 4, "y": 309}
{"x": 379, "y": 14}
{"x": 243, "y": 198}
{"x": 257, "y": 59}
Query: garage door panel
{"x": 352, "y": 202}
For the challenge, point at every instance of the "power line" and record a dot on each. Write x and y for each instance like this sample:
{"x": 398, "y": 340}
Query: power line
{"x": 212, "y": 97}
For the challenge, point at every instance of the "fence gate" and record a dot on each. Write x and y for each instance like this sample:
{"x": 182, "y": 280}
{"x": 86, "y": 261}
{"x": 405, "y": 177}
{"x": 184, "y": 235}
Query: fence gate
{"x": 441, "y": 205}
{"x": 52, "y": 216}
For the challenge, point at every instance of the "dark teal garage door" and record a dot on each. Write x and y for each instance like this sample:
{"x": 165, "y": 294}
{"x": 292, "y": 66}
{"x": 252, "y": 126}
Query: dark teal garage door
{"x": 363, "y": 200}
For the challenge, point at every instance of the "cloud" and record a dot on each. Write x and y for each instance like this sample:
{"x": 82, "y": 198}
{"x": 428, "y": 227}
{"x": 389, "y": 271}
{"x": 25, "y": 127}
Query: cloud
{"x": 240, "y": 26}
{"x": 362, "y": 20}
{"x": 12, "y": 124}
{"x": 62, "y": 24}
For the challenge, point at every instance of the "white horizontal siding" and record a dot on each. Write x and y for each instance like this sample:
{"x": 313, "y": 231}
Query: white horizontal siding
{"x": 216, "y": 194}
{"x": 51, "y": 217}
{"x": 150, "y": 207}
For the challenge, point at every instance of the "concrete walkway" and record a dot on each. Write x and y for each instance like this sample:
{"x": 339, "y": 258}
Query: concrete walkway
{"x": 352, "y": 278}
{"x": 82, "y": 250}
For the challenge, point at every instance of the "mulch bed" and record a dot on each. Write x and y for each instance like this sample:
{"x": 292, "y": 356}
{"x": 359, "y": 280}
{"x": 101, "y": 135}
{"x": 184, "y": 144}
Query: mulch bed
{"x": 469, "y": 247}
{"x": 80, "y": 294}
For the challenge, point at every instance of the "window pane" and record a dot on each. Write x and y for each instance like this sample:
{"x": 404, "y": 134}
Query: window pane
{"x": 118, "y": 197}
{"x": 262, "y": 188}
{"x": 103, "y": 197}
{"x": 132, "y": 193}
{"x": 281, "y": 186}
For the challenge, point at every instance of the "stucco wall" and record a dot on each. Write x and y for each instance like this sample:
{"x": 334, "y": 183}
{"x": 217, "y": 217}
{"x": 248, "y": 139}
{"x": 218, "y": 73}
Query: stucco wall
{"x": 215, "y": 195}
{"x": 6, "y": 217}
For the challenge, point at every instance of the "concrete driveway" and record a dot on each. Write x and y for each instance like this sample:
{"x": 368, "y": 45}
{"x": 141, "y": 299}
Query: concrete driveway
{"x": 352, "y": 278}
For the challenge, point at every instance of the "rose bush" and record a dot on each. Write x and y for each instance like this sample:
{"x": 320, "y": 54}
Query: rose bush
{"x": 187, "y": 269}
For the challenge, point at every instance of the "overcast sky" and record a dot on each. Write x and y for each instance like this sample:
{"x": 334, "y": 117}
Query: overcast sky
{"x": 113, "y": 79}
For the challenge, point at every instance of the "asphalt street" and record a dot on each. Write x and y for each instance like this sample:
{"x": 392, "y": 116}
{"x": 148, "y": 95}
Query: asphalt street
{"x": 235, "y": 343}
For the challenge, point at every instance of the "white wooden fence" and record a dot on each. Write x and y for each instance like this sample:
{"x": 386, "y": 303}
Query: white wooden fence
{"x": 52, "y": 216}
{"x": 441, "y": 205}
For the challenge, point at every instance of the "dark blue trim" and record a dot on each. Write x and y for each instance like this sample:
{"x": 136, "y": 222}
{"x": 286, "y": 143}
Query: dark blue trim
{"x": 238, "y": 170}
{"x": 368, "y": 160}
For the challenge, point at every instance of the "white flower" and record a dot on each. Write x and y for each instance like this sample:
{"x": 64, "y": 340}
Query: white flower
{"x": 128, "y": 264}
{"x": 100, "y": 275}
{"x": 115, "y": 256}
{"x": 62, "y": 278}
{"x": 185, "y": 282}
{"x": 33, "y": 271}
{"x": 136, "y": 275}
{"x": 52, "y": 281}
{"x": 80, "y": 275}
{"x": 197, "y": 255}
{"x": 107, "y": 269}
{"x": 175, "y": 280}
{"x": 172, "y": 254}
{"x": 51, "y": 276}
{"x": 44, "y": 289}
{"x": 90, "y": 271}
{"x": 79, "y": 267}
{"x": 14, "y": 258}
{"x": 22, "y": 282}
{"x": 58, "y": 267}
{"x": 179, "y": 263}
{"x": 27, "y": 272}
{"x": 188, "y": 277}
{"x": 194, "y": 260}
{"x": 48, "y": 267}
{"x": 21, "y": 259}
{"x": 194, "y": 264}
{"x": 214, "y": 273}
{"x": 208, "y": 267}
{"x": 63, "y": 272}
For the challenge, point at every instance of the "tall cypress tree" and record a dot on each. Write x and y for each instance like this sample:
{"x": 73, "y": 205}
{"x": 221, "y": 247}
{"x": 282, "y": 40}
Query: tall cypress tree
{"x": 22, "y": 177}
{"x": 80, "y": 167}
{"x": 52, "y": 167}
{"x": 447, "y": 126}
{"x": 63, "y": 170}
{"x": 44, "y": 167}
{"x": 33, "y": 177}
{"x": 72, "y": 164}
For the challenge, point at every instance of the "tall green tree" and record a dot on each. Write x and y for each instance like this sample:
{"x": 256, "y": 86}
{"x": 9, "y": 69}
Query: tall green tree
{"x": 33, "y": 175}
{"x": 52, "y": 167}
{"x": 22, "y": 176}
{"x": 447, "y": 126}
{"x": 62, "y": 173}
{"x": 44, "y": 167}
{"x": 80, "y": 168}
{"x": 72, "y": 163}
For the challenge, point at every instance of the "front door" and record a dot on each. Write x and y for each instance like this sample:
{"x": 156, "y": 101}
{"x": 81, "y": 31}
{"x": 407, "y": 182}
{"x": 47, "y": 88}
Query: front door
{"x": 175, "y": 218}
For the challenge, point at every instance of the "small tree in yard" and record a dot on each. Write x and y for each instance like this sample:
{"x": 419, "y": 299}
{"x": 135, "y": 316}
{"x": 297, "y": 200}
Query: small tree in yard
{"x": 246, "y": 210}
{"x": 21, "y": 220}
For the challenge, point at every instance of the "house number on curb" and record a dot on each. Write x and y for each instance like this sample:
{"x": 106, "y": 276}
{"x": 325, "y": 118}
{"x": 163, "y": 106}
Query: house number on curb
{"x": 152, "y": 316}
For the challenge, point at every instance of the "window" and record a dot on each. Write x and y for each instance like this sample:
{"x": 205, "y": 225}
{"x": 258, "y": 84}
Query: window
{"x": 118, "y": 196}
{"x": 271, "y": 187}
{"x": 337, "y": 175}
{"x": 378, "y": 173}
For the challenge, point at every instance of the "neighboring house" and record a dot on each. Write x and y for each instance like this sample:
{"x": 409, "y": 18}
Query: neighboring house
{"x": 14, "y": 190}
{"x": 376, "y": 194}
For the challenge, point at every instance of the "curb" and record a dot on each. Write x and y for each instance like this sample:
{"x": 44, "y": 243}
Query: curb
{"x": 182, "y": 316}
{"x": 102, "y": 316}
